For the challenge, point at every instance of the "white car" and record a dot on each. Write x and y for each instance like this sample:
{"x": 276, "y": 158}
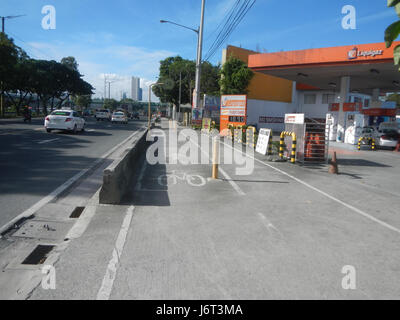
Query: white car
{"x": 119, "y": 116}
{"x": 67, "y": 120}
{"x": 384, "y": 137}
{"x": 103, "y": 114}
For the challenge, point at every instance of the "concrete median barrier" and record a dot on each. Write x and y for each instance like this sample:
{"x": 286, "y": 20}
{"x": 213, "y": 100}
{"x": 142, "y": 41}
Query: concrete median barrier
{"x": 118, "y": 175}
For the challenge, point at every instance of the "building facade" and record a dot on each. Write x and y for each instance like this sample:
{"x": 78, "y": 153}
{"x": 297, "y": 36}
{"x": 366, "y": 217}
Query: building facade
{"x": 135, "y": 89}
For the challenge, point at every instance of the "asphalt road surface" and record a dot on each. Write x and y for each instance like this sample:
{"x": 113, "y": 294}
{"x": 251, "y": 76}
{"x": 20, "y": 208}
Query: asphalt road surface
{"x": 33, "y": 162}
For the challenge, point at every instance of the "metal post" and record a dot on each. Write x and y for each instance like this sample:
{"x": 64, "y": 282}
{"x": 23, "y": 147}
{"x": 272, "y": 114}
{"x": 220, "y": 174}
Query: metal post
{"x": 149, "y": 110}
{"x": 199, "y": 55}
{"x": 180, "y": 91}
{"x": 215, "y": 157}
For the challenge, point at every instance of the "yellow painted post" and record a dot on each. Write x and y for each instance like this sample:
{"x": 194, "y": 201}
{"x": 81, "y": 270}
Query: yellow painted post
{"x": 215, "y": 157}
{"x": 281, "y": 143}
{"x": 294, "y": 145}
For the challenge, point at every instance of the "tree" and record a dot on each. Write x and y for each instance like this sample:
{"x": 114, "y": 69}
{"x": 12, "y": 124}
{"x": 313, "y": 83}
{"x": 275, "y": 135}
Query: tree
{"x": 176, "y": 71}
{"x": 8, "y": 60}
{"x": 70, "y": 62}
{"x": 82, "y": 101}
{"x": 111, "y": 104}
{"x": 235, "y": 77}
{"x": 393, "y": 31}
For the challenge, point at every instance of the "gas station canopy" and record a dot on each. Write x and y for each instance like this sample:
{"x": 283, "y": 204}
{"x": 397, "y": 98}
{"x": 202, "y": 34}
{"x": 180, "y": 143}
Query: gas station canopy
{"x": 370, "y": 66}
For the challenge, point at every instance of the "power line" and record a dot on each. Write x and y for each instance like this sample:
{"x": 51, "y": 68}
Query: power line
{"x": 230, "y": 28}
{"x": 232, "y": 22}
{"x": 18, "y": 38}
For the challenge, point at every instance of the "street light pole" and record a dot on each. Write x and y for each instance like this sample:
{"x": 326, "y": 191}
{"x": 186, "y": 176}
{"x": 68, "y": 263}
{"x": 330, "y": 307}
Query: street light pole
{"x": 199, "y": 56}
{"x": 199, "y": 32}
{"x": 149, "y": 111}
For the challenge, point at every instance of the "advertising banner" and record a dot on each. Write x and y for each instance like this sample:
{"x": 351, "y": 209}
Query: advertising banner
{"x": 294, "y": 118}
{"x": 234, "y": 105}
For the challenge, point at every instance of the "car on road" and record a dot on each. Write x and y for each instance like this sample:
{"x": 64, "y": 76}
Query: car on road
{"x": 135, "y": 116}
{"x": 384, "y": 137}
{"x": 103, "y": 114}
{"x": 66, "y": 120}
{"x": 119, "y": 116}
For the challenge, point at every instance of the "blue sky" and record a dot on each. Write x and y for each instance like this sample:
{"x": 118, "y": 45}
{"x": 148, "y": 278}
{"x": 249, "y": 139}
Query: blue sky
{"x": 124, "y": 37}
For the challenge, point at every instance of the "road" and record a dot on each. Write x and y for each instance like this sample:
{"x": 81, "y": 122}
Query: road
{"x": 33, "y": 162}
{"x": 282, "y": 232}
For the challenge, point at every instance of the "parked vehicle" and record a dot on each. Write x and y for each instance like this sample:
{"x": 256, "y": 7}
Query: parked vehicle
{"x": 119, "y": 116}
{"x": 103, "y": 114}
{"x": 384, "y": 136}
{"x": 66, "y": 120}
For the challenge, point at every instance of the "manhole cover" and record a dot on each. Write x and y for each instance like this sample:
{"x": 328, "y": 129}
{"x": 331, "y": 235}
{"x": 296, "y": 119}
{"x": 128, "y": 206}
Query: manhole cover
{"x": 38, "y": 255}
{"x": 49, "y": 230}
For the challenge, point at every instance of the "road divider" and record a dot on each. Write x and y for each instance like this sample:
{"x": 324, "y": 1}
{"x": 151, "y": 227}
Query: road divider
{"x": 118, "y": 175}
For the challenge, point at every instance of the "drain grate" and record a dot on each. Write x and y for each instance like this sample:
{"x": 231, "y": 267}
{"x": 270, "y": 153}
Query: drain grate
{"x": 38, "y": 255}
{"x": 77, "y": 212}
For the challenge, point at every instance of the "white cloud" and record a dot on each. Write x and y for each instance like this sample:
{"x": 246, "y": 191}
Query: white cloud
{"x": 123, "y": 61}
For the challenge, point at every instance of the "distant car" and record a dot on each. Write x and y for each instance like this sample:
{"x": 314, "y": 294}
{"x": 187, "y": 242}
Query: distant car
{"x": 66, "y": 120}
{"x": 135, "y": 116}
{"x": 383, "y": 137}
{"x": 119, "y": 116}
{"x": 103, "y": 114}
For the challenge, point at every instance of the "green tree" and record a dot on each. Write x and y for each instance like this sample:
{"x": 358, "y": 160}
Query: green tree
{"x": 176, "y": 71}
{"x": 70, "y": 62}
{"x": 235, "y": 77}
{"x": 82, "y": 101}
{"x": 393, "y": 31}
{"x": 111, "y": 104}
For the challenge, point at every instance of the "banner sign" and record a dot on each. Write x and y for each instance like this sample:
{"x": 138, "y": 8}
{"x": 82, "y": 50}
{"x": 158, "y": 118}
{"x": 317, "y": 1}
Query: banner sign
{"x": 263, "y": 141}
{"x": 234, "y": 105}
{"x": 294, "y": 118}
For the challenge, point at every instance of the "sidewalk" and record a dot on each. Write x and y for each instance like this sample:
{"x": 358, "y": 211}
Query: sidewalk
{"x": 283, "y": 232}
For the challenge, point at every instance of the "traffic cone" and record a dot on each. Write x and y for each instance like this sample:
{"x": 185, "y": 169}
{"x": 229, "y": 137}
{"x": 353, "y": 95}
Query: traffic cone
{"x": 333, "y": 167}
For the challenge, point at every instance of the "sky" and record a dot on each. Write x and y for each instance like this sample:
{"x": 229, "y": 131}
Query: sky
{"x": 124, "y": 38}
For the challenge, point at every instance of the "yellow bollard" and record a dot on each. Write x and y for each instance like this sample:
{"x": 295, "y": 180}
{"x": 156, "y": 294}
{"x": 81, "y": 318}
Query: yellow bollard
{"x": 215, "y": 159}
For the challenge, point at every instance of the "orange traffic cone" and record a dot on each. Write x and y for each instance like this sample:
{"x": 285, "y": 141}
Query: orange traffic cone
{"x": 333, "y": 167}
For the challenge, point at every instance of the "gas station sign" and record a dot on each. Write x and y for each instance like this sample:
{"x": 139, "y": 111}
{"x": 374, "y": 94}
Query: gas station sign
{"x": 233, "y": 110}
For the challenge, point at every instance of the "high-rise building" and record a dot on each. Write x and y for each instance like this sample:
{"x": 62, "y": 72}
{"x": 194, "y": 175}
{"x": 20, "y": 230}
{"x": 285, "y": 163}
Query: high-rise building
{"x": 140, "y": 94}
{"x": 135, "y": 88}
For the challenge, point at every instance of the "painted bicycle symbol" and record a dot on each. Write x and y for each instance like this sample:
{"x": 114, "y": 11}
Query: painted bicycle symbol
{"x": 193, "y": 180}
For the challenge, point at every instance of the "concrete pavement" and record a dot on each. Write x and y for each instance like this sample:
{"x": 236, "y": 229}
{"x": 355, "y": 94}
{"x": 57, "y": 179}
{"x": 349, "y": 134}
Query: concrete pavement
{"x": 283, "y": 232}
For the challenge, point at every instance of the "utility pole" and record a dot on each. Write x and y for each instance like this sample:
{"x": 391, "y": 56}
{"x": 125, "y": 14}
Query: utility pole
{"x": 180, "y": 91}
{"x": 199, "y": 55}
{"x": 9, "y": 17}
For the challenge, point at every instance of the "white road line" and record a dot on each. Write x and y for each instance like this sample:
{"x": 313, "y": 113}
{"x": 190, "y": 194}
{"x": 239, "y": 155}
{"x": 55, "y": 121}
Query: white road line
{"x": 354, "y": 209}
{"x": 268, "y": 224}
{"x": 30, "y": 211}
{"x": 227, "y": 177}
{"x": 111, "y": 272}
{"x": 90, "y": 130}
{"x": 47, "y": 141}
